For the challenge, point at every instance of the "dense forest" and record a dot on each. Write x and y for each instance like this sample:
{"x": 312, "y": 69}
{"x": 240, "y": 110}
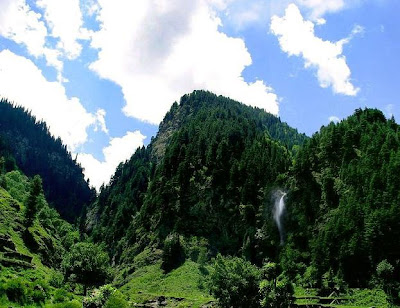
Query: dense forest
{"x": 191, "y": 220}
{"x": 343, "y": 205}
{"x": 208, "y": 173}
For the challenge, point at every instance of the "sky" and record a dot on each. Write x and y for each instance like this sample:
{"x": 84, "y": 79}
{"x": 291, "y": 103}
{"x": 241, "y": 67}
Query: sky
{"x": 102, "y": 73}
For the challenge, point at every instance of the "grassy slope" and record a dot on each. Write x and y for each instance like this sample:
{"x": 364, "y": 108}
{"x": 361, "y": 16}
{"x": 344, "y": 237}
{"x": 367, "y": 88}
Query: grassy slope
{"x": 356, "y": 298}
{"x": 11, "y": 218}
{"x": 183, "y": 287}
{"x": 186, "y": 286}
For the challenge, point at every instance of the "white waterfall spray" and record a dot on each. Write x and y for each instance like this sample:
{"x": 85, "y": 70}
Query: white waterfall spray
{"x": 279, "y": 208}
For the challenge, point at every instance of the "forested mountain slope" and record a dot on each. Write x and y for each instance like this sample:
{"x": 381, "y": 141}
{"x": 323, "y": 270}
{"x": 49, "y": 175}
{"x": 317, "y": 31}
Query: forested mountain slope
{"x": 36, "y": 151}
{"x": 189, "y": 220}
{"x": 30, "y": 253}
{"x": 208, "y": 173}
{"x": 344, "y": 203}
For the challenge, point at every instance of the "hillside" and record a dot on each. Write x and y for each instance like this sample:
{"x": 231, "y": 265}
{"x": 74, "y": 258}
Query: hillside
{"x": 208, "y": 183}
{"x": 343, "y": 206}
{"x": 36, "y": 151}
{"x": 227, "y": 207}
{"x": 207, "y": 173}
{"x": 30, "y": 258}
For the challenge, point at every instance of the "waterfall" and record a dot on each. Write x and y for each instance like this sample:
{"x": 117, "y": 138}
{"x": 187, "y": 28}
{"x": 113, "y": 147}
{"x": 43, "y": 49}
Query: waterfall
{"x": 279, "y": 208}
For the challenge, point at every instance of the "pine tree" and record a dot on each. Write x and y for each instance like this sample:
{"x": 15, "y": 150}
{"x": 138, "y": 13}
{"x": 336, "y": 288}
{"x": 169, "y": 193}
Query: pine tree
{"x": 31, "y": 205}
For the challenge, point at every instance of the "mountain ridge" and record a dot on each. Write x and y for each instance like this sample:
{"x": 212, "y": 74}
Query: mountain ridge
{"x": 36, "y": 151}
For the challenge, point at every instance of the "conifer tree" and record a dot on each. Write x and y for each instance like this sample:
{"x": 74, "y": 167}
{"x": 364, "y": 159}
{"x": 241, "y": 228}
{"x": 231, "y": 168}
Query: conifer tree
{"x": 31, "y": 205}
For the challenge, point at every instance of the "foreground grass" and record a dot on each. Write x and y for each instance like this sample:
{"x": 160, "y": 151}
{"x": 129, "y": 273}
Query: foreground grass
{"x": 183, "y": 287}
{"x": 354, "y": 298}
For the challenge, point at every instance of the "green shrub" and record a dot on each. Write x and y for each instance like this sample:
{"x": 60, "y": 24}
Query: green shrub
{"x": 38, "y": 296}
{"x": 16, "y": 291}
{"x": 56, "y": 279}
{"x": 61, "y": 295}
{"x": 173, "y": 253}
{"x": 116, "y": 300}
{"x": 72, "y": 304}
{"x": 234, "y": 282}
{"x": 276, "y": 293}
{"x": 86, "y": 263}
{"x": 275, "y": 289}
{"x": 99, "y": 297}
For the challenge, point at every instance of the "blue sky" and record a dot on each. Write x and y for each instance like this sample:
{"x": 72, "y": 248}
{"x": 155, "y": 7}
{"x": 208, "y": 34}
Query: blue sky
{"x": 103, "y": 73}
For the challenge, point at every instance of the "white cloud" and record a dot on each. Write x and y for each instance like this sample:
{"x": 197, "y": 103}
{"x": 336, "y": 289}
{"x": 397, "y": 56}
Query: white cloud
{"x": 241, "y": 14}
{"x": 64, "y": 19}
{"x": 296, "y": 37}
{"x": 101, "y": 121}
{"x": 22, "y": 25}
{"x": 158, "y": 50}
{"x": 320, "y": 7}
{"x": 91, "y": 7}
{"x": 119, "y": 150}
{"x": 334, "y": 119}
{"x": 244, "y": 13}
{"x": 22, "y": 82}
{"x": 389, "y": 108}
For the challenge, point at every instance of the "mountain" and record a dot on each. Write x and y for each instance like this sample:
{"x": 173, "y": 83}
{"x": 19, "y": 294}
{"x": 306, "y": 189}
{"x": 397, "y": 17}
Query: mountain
{"x": 26, "y": 142}
{"x": 343, "y": 215}
{"x": 208, "y": 173}
{"x": 226, "y": 206}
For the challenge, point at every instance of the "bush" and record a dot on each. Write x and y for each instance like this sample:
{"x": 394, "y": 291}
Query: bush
{"x": 173, "y": 253}
{"x": 61, "y": 295}
{"x": 73, "y": 304}
{"x": 275, "y": 293}
{"x": 385, "y": 270}
{"x": 16, "y": 291}
{"x": 234, "y": 282}
{"x": 38, "y": 296}
{"x": 116, "y": 300}
{"x": 275, "y": 289}
{"x": 56, "y": 279}
{"x": 99, "y": 297}
{"x": 86, "y": 263}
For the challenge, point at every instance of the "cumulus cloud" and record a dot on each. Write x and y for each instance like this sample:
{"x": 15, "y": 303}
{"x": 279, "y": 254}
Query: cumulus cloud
{"x": 22, "y": 25}
{"x": 159, "y": 50}
{"x": 296, "y": 37}
{"x": 64, "y": 19}
{"x": 334, "y": 119}
{"x": 22, "y": 82}
{"x": 119, "y": 150}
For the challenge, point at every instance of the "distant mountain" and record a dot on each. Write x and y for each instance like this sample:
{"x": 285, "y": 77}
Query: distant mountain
{"x": 36, "y": 151}
{"x": 208, "y": 173}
